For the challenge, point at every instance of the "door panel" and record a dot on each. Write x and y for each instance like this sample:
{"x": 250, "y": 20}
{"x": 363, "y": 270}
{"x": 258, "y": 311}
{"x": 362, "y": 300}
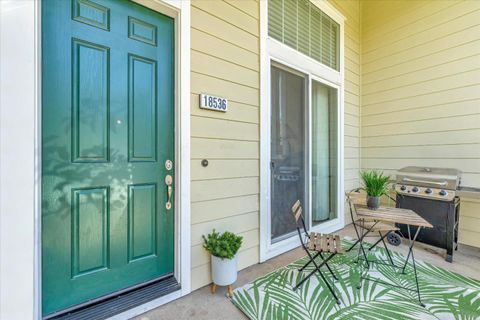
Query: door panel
{"x": 89, "y": 231}
{"x": 90, "y": 81}
{"x": 142, "y": 109}
{"x": 288, "y": 107}
{"x": 107, "y": 130}
{"x": 324, "y": 152}
{"x": 142, "y": 213}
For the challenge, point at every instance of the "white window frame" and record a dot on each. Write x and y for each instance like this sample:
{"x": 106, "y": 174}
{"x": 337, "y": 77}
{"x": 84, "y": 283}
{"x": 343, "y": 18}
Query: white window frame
{"x": 20, "y": 157}
{"x": 273, "y": 51}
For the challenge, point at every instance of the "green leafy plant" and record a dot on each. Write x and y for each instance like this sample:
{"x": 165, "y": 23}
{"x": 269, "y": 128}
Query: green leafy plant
{"x": 375, "y": 183}
{"x": 223, "y": 245}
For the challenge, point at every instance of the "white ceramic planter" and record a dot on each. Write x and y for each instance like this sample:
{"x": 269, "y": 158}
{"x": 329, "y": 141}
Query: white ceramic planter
{"x": 224, "y": 271}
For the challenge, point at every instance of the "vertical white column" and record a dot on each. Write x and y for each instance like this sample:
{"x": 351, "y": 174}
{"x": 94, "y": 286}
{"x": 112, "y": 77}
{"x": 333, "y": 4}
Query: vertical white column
{"x": 18, "y": 159}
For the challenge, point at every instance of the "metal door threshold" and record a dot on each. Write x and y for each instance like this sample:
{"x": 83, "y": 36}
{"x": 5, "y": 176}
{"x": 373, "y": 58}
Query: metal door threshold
{"x": 124, "y": 301}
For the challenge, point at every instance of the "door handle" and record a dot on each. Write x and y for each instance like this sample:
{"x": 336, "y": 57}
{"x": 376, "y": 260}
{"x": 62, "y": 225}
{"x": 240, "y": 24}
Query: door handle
{"x": 168, "y": 182}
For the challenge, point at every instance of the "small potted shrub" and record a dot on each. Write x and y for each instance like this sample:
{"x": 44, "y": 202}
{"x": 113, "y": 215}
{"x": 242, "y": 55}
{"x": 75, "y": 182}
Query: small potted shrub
{"x": 223, "y": 249}
{"x": 375, "y": 184}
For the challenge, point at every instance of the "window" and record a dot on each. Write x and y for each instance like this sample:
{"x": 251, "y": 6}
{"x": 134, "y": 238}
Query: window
{"x": 287, "y": 145}
{"x": 324, "y": 152}
{"x": 302, "y": 26}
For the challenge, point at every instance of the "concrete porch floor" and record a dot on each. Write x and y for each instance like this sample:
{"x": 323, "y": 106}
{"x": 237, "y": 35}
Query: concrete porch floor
{"x": 201, "y": 304}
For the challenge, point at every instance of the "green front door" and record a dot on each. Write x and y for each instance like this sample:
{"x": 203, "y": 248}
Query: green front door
{"x": 107, "y": 132}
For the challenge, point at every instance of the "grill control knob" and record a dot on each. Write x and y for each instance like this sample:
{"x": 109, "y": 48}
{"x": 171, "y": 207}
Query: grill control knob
{"x": 414, "y": 189}
{"x": 428, "y": 191}
{"x": 443, "y": 193}
{"x": 403, "y": 188}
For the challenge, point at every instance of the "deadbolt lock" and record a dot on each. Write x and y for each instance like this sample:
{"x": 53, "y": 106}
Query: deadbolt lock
{"x": 168, "y": 165}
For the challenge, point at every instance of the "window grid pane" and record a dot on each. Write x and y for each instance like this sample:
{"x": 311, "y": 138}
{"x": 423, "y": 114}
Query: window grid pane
{"x": 304, "y": 27}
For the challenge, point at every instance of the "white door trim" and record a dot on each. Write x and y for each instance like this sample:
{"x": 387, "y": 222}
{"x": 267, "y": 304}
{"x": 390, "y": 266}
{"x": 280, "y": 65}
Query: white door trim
{"x": 20, "y": 156}
{"x": 180, "y": 11}
{"x": 273, "y": 50}
{"x": 19, "y": 159}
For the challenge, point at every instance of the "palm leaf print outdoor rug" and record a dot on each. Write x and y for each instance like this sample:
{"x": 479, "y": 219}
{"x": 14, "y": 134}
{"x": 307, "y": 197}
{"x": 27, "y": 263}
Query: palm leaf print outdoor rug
{"x": 447, "y": 295}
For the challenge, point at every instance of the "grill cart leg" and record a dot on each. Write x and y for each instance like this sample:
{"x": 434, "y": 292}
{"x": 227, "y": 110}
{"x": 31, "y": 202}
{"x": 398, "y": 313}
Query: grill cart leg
{"x": 451, "y": 232}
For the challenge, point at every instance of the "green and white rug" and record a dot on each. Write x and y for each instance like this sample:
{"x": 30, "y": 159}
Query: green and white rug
{"x": 447, "y": 295}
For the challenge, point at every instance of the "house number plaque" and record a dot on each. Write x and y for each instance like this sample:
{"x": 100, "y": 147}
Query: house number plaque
{"x": 213, "y": 103}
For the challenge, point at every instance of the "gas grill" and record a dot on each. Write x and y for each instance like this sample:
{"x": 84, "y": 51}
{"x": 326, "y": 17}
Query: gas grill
{"x": 432, "y": 193}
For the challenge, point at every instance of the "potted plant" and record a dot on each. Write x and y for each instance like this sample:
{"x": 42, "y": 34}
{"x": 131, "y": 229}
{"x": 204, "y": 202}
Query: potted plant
{"x": 223, "y": 249}
{"x": 375, "y": 184}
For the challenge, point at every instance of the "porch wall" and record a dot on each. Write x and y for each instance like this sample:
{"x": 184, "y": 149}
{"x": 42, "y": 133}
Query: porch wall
{"x": 351, "y": 11}
{"x": 421, "y": 91}
{"x": 225, "y": 61}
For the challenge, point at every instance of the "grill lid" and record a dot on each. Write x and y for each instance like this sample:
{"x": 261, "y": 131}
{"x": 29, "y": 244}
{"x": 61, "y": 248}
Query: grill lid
{"x": 443, "y": 178}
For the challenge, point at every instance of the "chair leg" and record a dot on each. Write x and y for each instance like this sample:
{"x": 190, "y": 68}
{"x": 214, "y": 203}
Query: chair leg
{"x": 328, "y": 267}
{"x": 317, "y": 268}
{"x": 416, "y": 280}
{"x": 361, "y": 248}
{"x": 326, "y": 264}
{"x": 312, "y": 260}
{"x": 358, "y": 238}
{"x": 386, "y": 248}
{"x": 330, "y": 287}
{"x": 376, "y": 243}
{"x": 314, "y": 257}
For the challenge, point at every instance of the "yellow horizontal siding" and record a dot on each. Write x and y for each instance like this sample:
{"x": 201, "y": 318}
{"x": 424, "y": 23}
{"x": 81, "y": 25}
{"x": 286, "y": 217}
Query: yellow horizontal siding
{"x": 203, "y": 190}
{"x": 250, "y": 7}
{"x": 350, "y": 9}
{"x": 201, "y": 274}
{"x": 225, "y": 194}
{"x": 226, "y": 12}
{"x": 237, "y": 92}
{"x": 469, "y": 225}
{"x": 421, "y": 91}
{"x": 221, "y": 28}
{"x": 224, "y": 169}
{"x": 202, "y": 63}
{"x": 223, "y": 129}
{"x": 200, "y": 256}
{"x": 223, "y": 49}
{"x": 223, "y": 149}
{"x": 212, "y": 210}
{"x": 236, "y": 111}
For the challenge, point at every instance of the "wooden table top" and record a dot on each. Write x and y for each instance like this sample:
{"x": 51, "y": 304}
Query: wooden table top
{"x": 391, "y": 214}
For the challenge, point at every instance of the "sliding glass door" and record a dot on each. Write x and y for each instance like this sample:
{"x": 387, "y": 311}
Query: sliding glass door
{"x": 288, "y": 103}
{"x": 324, "y": 155}
{"x": 304, "y": 151}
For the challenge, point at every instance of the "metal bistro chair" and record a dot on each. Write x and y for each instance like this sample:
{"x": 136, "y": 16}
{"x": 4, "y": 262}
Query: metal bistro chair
{"x": 319, "y": 243}
{"x": 383, "y": 229}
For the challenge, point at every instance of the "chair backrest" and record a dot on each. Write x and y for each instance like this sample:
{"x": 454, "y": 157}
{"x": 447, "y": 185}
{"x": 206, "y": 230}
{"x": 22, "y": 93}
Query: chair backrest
{"x": 353, "y": 198}
{"x": 298, "y": 216}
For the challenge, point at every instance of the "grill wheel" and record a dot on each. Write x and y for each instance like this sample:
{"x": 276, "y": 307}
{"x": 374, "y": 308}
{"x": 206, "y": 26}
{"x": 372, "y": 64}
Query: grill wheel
{"x": 394, "y": 239}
